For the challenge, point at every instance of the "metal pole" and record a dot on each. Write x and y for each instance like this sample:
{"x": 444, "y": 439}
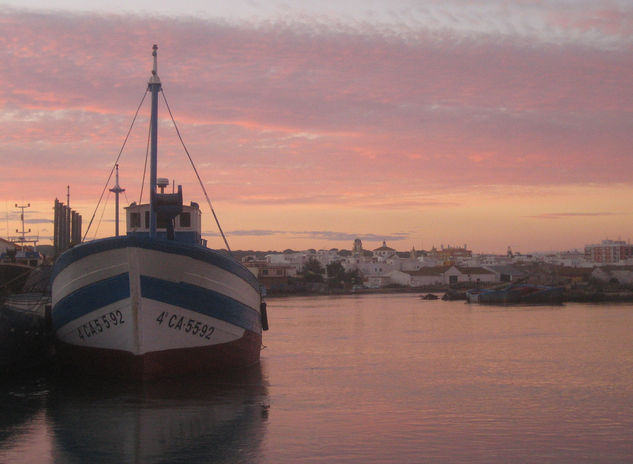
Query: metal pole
{"x": 154, "y": 87}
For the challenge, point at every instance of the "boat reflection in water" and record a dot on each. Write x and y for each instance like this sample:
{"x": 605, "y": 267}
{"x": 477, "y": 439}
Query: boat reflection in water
{"x": 173, "y": 420}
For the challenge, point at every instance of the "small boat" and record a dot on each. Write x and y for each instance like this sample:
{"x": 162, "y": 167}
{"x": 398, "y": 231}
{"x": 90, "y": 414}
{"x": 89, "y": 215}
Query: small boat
{"x": 16, "y": 265}
{"x": 24, "y": 332}
{"x": 517, "y": 294}
{"x": 156, "y": 302}
{"x": 472, "y": 295}
{"x": 18, "y": 259}
{"x": 453, "y": 295}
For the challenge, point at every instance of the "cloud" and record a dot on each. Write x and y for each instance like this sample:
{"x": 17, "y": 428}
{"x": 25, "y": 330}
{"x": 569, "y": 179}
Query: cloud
{"x": 253, "y": 233}
{"x": 343, "y": 236}
{"x": 31, "y": 216}
{"x": 38, "y": 221}
{"x": 571, "y": 215}
{"x": 392, "y": 114}
{"x": 375, "y": 105}
{"x": 315, "y": 235}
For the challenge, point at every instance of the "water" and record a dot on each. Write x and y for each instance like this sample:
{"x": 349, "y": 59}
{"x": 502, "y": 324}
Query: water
{"x": 362, "y": 379}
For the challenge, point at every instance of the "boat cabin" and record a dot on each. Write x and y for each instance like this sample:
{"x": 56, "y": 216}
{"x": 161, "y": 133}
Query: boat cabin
{"x": 174, "y": 221}
{"x": 25, "y": 256}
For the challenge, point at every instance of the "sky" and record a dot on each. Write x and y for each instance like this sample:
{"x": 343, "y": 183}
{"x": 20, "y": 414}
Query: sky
{"x": 490, "y": 124}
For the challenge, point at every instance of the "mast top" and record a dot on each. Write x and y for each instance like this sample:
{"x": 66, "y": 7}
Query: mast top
{"x": 154, "y": 79}
{"x": 117, "y": 189}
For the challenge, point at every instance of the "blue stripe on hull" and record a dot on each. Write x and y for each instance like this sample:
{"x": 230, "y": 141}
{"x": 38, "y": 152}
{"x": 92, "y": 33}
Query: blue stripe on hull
{"x": 90, "y": 298}
{"x": 166, "y": 246}
{"x": 108, "y": 291}
{"x": 203, "y": 301}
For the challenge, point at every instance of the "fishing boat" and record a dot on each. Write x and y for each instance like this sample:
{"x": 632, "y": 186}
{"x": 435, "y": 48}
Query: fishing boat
{"x": 19, "y": 258}
{"x": 157, "y": 301}
{"x": 516, "y": 294}
{"x": 472, "y": 295}
{"x": 16, "y": 264}
{"x": 24, "y": 334}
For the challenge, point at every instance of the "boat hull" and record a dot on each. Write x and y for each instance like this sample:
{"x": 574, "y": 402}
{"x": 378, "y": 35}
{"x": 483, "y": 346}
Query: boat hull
{"x": 167, "y": 363}
{"x": 24, "y": 335}
{"x": 139, "y": 307}
{"x": 13, "y": 276}
{"x": 520, "y": 294}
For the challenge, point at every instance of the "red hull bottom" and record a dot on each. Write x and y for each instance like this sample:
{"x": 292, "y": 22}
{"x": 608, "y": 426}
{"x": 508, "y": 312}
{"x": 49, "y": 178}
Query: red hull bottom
{"x": 169, "y": 363}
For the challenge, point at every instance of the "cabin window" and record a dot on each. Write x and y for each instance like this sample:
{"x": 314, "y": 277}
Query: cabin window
{"x": 147, "y": 219}
{"x": 135, "y": 219}
{"x": 185, "y": 220}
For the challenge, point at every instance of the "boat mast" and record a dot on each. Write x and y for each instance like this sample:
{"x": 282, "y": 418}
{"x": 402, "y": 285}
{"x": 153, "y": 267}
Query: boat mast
{"x": 154, "y": 86}
{"x": 22, "y": 239}
{"x": 117, "y": 190}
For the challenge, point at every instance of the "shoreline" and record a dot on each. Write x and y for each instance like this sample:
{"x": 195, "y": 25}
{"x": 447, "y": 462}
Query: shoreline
{"x": 623, "y": 296}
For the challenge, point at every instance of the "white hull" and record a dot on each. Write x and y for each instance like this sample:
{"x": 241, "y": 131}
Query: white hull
{"x": 139, "y": 299}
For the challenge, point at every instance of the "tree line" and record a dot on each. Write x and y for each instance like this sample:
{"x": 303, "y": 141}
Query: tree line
{"x": 334, "y": 274}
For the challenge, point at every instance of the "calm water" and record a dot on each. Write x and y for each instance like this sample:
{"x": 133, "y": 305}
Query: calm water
{"x": 365, "y": 379}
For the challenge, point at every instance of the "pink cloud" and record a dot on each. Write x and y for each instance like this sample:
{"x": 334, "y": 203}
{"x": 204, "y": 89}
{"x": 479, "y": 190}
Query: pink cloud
{"x": 275, "y": 112}
{"x": 615, "y": 21}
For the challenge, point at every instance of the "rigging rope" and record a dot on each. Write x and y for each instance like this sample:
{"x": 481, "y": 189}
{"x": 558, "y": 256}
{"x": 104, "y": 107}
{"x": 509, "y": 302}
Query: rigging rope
{"x": 114, "y": 166}
{"x": 105, "y": 205}
{"x": 196, "y": 171}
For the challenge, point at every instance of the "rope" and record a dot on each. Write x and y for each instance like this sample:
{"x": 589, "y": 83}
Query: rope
{"x": 196, "y": 171}
{"x": 18, "y": 277}
{"x": 114, "y": 166}
{"x": 105, "y": 205}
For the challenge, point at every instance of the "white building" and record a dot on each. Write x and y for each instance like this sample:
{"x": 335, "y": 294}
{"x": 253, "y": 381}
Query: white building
{"x": 297, "y": 260}
{"x": 384, "y": 251}
{"x": 609, "y": 252}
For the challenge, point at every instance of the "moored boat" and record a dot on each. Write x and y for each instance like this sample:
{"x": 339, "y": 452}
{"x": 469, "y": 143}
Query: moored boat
{"x": 24, "y": 333}
{"x": 157, "y": 301}
{"x": 472, "y": 295}
{"x": 517, "y": 294}
{"x": 19, "y": 258}
{"x": 15, "y": 268}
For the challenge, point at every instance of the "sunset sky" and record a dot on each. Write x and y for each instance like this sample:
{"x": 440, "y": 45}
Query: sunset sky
{"x": 492, "y": 123}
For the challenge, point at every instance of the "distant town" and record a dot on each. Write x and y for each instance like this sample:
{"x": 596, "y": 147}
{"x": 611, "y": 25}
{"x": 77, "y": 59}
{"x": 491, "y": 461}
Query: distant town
{"x": 600, "y": 269}
{"x": 607, "y": 265}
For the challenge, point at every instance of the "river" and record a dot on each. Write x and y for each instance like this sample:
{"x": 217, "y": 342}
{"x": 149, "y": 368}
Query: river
{"x": 361, "y": 379}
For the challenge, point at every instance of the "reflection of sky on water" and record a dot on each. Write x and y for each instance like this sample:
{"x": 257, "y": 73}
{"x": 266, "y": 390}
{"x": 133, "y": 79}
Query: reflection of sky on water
{"x": 364, "y": 379}
{"x": 393, "y": 378}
